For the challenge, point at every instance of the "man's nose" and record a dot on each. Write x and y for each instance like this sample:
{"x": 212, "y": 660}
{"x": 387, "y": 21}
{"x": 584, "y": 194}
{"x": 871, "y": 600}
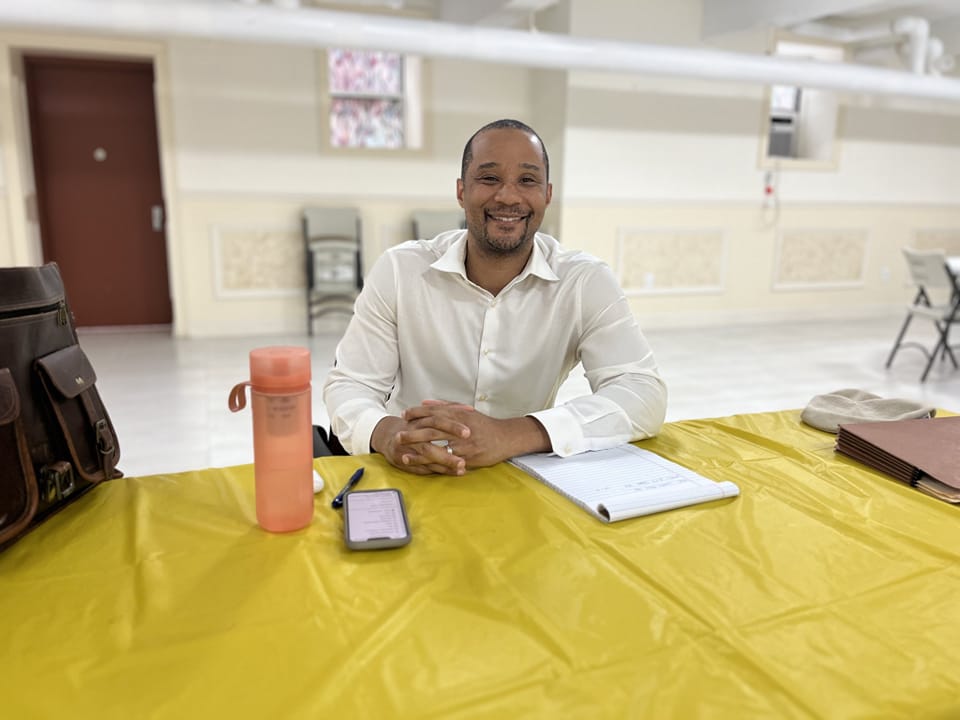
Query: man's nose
{"x": 508, "y": 193}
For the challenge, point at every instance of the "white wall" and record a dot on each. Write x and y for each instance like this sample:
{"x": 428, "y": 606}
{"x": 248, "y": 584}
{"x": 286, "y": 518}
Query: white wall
{"x": 249, "y": 119}
{"x": 251, "y": 153}
{"x": 662, "y": 178}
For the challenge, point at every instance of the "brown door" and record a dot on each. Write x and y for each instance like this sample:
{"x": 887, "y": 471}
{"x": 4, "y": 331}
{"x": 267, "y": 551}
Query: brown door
{"x": 97, "y": 170}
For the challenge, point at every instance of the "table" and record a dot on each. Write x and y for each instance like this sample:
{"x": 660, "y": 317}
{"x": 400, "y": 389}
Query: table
{"x": 825, "y": 590}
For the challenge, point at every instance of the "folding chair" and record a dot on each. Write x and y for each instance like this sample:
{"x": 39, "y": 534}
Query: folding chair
{"x": 334, "y": 262}
{"x": 430, "y": 223}
{"x": 932, "y": 276}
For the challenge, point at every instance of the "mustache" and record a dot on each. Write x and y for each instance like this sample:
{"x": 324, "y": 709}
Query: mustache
{"x": 511, "y": 211}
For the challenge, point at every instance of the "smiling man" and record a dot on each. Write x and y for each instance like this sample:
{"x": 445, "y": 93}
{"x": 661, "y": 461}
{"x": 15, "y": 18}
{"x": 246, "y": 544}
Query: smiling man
{"x": 458, "y": 344}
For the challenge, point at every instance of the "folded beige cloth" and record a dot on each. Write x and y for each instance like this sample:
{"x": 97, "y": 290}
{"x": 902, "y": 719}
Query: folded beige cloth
{"x": 826, "y": 412}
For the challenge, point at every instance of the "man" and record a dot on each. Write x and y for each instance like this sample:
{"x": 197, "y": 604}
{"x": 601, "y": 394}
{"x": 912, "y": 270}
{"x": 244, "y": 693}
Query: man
{"x": 459, "y": 344}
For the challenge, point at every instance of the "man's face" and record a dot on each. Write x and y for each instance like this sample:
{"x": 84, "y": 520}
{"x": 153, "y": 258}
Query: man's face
{"x": 505, "y": 191}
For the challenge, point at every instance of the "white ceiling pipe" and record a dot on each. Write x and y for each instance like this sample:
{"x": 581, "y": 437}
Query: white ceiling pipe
{"x": 917, "y": 29}
{"x": 319, "y": 28}
{"x": 937, "y": 60}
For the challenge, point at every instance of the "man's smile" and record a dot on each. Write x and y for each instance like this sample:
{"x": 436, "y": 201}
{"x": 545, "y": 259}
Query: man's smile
{"x": 506, "y": 218}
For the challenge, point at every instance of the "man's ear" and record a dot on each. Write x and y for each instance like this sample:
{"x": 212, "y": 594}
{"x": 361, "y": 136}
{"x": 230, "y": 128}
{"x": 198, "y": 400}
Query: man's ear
{"x": 460, "y": 191}
{"x": 549, "y": 192}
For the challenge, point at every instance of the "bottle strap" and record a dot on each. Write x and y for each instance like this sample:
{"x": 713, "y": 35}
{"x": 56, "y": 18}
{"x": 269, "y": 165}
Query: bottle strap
{"x": 238, "y": 397}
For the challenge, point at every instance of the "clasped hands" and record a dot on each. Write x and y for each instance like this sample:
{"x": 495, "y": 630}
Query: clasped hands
{"x": 447, "y": 438}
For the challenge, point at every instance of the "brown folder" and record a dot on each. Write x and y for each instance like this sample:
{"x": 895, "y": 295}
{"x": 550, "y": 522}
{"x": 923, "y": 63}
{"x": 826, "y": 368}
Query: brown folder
{"x": 922, "y": 452}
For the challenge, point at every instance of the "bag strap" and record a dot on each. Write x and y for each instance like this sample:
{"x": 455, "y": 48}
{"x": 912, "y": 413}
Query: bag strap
{"x": 106, "y": 442}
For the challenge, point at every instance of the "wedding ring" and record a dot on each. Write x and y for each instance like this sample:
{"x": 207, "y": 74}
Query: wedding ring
{"x": 449, "y": 450}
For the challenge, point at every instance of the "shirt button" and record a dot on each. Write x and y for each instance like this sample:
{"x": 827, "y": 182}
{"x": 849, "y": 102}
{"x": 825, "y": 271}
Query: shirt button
{"x": 486, "y": 351}
{"x": 481, "y": 397}
{"x": 568, "y": 449}
{"x": 493, "y": 303}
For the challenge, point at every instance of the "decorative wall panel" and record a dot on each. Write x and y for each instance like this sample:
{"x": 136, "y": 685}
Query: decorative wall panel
{"x": 655, "y": 261}
{"x": 820, "y": 258}
{"x": 257, "y": 261}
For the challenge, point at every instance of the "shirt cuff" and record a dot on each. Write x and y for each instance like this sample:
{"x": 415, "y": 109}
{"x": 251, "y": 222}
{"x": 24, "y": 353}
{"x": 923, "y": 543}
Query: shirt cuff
{"x": 359, "y": 441}
{"x": 563, "y": 429}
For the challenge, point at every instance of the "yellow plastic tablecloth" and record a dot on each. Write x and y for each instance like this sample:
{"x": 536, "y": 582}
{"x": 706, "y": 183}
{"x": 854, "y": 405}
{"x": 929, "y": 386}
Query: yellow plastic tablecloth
{"x": 825, "y": 590}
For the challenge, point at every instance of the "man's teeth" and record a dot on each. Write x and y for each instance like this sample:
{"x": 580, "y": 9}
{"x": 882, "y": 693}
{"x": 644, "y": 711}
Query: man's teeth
{"x": 507, "y": 218}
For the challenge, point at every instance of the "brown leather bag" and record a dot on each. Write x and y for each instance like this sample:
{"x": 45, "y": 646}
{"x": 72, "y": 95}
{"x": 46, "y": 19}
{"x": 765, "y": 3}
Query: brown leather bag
{"x": 56, "y": 438}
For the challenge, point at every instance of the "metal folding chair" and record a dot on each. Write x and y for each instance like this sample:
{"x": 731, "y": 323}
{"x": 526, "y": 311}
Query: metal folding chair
{"x": 334, "y": 261}
{"x": 934, "y": 281}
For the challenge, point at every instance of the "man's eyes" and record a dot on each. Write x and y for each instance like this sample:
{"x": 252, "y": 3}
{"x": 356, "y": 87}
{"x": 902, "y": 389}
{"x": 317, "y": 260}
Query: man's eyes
{"x": 493, "y": 179}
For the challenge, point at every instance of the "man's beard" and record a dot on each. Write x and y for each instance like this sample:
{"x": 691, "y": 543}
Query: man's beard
{"x": 502, "y": 246}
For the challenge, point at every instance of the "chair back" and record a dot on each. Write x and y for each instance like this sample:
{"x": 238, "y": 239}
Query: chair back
{"x": 337, "y": 223}
{"x": 332, "y": 239}
{"x": 430, "y": 223}
{"x": 928, "y": 268}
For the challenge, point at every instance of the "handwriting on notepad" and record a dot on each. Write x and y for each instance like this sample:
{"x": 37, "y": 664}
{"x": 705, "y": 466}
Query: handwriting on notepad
{"x": 639, "y": 478}
{"x": 623, "y": 473}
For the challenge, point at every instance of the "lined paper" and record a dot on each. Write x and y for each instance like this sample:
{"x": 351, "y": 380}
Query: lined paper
{"x": 623, "y": 482}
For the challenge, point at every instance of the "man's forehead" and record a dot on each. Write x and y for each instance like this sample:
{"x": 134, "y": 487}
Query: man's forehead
{"x": 490, "y": 148}
{"x": 522, "y": 165}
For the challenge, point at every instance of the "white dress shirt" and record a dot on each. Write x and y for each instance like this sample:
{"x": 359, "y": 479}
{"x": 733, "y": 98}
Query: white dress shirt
{"x": 421, "y": 330}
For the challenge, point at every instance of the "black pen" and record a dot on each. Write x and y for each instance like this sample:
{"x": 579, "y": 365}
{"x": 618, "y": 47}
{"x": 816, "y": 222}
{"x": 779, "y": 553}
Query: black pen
{"x": 354, "y": 479}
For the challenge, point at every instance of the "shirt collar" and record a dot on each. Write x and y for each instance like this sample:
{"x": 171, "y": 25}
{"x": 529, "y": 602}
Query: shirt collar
{"x": 453, "y": 260}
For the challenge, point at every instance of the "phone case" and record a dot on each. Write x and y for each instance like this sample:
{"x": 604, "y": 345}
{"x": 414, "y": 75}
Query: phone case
{"x": 375, "y": 519}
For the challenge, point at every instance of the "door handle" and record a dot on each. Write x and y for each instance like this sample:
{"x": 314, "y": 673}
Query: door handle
{"x": 156, "y": 218}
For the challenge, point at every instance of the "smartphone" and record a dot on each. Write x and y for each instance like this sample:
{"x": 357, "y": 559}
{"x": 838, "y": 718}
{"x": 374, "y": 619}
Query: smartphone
{"x": 375, "y": 519}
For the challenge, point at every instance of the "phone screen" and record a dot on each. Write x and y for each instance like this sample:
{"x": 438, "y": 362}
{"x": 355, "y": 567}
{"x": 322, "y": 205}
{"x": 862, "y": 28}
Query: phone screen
{"x": 375, "y": 519}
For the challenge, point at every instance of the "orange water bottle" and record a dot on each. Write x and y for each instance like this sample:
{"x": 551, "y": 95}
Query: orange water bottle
{"x": 282, "y": 435}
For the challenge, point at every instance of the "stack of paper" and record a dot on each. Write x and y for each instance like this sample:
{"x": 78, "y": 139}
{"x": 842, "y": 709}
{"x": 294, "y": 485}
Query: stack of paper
{"x": 623, "y": 482}
{"x": 924, "y": 453}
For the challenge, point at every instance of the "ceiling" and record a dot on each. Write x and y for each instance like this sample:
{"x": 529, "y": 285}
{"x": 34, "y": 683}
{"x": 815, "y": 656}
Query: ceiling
{"x": 720, "y": 16}
{"x": 841, "y": 21}
{"x": 498, "y": 31}
{"x": 923, "y": 37}
{"x": 730, "y": 15}
{"x": 859, "y": 25}
{"x": 495, "y": 13}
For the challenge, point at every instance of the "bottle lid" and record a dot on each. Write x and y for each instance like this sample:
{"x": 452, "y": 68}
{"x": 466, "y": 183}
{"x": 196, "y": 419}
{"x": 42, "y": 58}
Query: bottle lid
{"x": 279, "y": 368}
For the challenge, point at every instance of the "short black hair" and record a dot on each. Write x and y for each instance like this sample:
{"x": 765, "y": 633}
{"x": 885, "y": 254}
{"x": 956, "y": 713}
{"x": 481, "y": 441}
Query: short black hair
{"x": 505, "y": 123}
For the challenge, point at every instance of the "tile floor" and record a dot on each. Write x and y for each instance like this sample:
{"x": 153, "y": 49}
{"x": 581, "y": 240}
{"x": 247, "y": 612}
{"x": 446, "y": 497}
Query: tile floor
{"x": 168, "y": 396}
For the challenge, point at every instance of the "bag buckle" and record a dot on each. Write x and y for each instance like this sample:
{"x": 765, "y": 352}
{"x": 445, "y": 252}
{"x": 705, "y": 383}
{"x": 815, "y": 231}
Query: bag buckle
{"x": 104, "y": 438}
{"x": 56, "y": 481}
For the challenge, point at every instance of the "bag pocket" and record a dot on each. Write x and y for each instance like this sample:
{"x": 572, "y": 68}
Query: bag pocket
{"x": 70, "y": 384}
{"x": 18, "y": 485}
